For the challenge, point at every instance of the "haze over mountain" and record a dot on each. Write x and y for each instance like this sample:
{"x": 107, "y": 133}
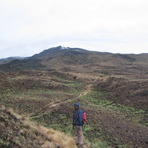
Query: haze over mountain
{"x": 9, "y": 59}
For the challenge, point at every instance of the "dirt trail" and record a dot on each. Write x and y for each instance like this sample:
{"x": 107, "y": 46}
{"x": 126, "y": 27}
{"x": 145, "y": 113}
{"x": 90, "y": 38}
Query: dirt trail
{"x": 88, "y": 88}
{"x": 49, "y": 107}
{"x": 111, "y": 123}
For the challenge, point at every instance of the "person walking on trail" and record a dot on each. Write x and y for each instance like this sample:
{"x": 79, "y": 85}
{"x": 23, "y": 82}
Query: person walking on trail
{"x": 78, "y": 124}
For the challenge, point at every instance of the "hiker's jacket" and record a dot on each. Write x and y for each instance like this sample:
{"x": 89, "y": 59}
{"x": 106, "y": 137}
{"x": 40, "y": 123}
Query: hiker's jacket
{"x": 77, "y": 117}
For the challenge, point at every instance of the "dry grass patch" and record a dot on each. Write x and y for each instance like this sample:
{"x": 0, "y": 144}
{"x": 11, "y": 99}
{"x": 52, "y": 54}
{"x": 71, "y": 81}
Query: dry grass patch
{"x": 32, "y": 134}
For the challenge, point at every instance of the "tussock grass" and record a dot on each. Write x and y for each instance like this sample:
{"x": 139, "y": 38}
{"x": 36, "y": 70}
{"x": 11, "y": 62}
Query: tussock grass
{"x": 49, "y": 137}
{"x": 63, "y": 140}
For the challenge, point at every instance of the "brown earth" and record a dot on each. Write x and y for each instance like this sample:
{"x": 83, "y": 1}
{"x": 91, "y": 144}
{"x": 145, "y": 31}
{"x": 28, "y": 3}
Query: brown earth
{"x": 122, "y": 91}
{"x": 49, "y": 91}
{"x": 83, "y": 61}
{"x": 116, "y": 128}
{"x": 113, "y": 125}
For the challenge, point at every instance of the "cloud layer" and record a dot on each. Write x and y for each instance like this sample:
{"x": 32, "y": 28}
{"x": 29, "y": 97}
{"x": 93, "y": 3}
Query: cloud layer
{"x": 28, "y": 27}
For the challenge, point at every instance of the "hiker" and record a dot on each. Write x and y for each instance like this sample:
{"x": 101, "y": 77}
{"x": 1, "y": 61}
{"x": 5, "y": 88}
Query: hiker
{"x": 78, "y": 124}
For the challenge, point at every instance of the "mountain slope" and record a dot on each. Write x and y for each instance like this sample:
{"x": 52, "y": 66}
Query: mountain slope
{"x": 17, "y": 65}
{"x": 7, "y": 60}
{"x": 83, "y": 61}
{"x": 116, "y": 108}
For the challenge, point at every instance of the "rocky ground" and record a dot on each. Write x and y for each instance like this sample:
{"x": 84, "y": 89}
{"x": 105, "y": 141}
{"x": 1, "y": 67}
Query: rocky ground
{"x": 116, "y": 108}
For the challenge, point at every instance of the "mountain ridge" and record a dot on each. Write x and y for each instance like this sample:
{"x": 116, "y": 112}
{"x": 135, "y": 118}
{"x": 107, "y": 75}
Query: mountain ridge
{"x": 53, "y": 50}
{"x": 80, "y": 60}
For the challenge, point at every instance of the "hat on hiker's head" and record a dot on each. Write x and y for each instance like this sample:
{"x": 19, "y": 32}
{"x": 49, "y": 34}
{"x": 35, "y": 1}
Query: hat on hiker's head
{"x": 76, "y": 104}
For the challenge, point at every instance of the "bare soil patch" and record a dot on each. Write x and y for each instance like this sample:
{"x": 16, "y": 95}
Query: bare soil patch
{"x": 122, "y": 91}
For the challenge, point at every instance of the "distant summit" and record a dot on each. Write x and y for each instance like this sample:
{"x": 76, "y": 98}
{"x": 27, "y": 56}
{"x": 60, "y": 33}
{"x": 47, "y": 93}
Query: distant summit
{"x": 56, "y": 50}
{"x": 62, "y": 48}
{"x": 79, "y": 60}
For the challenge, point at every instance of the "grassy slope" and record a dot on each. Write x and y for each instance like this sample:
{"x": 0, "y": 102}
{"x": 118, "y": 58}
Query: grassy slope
{"x": 47, "y": 98}
{"x": 17, "y": 131}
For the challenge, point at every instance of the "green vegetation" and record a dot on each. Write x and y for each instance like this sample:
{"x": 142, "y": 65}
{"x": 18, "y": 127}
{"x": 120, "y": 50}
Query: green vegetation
{"x": 33, "y": 96}
{"x": 55, "y": 120}
{"x": 61, "y": 122}
{"x": 99, "y": 144}
{"x": 19, "y": 77}
{"x": 125, "y": 146}
{"x": 27, "y": 95}
{"x": 98, "y": 98}
{"x": 3, "y": 144}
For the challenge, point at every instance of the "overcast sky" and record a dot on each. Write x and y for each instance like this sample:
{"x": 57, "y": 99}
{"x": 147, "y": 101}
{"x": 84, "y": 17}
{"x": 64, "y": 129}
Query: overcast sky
{"x": 30, "y": 26}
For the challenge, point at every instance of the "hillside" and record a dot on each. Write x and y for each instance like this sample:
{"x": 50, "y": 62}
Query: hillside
{"x": 37, "y": 96}
{"x": 116, "y": 107}
{"x": 18, "y": 132}
{"x": 7, "y": 60}
{"x": 83, "y": 61}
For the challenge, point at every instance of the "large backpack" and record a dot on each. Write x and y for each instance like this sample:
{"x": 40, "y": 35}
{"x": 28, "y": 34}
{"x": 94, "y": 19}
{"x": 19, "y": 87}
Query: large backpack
{"x": 83, "y": 117}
